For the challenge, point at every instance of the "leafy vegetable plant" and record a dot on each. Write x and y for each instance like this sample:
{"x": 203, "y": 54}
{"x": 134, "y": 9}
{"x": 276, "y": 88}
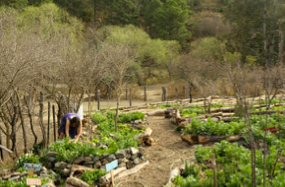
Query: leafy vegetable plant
{"x": 92, "y": 177}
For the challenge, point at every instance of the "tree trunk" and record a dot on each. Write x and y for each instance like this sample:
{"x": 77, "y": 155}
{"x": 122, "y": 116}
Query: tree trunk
{"x": 41, "y": 119}
{"x": 190, "y": 94}
{"x": 139, "y": 79}
{"x": 22, "y": 123}
{"x": 13, "y": 133}
{"x": 31, "y": 120}
{"x": 95, "y": 15}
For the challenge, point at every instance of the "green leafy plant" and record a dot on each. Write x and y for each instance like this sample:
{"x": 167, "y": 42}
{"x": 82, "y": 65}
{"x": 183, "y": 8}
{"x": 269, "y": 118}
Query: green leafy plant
{"x": 27, "y": 158}
{"x": 190, "y": 169}
{"x": 92, "y": 177}
{"x": 21, "y": 183}
{"x": 68, "y": 150}
{"x": 210, "y": 127}
{"x": 98, "y": 117}
{"x": 128, "y": 117}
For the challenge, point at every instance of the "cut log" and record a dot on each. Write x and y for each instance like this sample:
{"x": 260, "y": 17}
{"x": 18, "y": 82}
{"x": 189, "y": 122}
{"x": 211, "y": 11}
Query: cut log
{"x": 267, "y": 112}
{"x": 207, "y": 139}
{"x": 150, "y": 142}
{"x": 201, "y": 117}
{"x": 76, "y": 182}
{"x": 226, "y": 109}
{"x": 173, "y": 173}
{"x": 132, "y": 171}
{"x": 203, "y": 139}
{"x": 227, "y": 114}
{"x": 229, "y": 119}
{"x": 157, "y": 113}
{"x": 234, "y": 138}
{"x": 79, "y": 169}
{"x": 107, "y": 178}
{"x": 213, "y": 114}
{"x": 147, "y": 132}
{"x": 183, "y": 124}
{"x": 188, "y": 138}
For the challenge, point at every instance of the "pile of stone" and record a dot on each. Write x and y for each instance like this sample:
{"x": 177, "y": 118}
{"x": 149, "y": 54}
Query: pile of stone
{"x": 127, "y": 158}
{"x": 17, "y": 176}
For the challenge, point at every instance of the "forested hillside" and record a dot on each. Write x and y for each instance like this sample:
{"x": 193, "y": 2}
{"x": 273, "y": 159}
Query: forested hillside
{"x": 159, "y": 41}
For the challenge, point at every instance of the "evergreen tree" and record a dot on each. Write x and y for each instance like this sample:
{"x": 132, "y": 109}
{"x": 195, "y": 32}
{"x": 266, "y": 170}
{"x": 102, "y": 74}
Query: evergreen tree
{"x": 18, "y": 4}
{"x": 171, "y": 20}
{"x": 123, "y": 12}
{"x": 147, "y": 9}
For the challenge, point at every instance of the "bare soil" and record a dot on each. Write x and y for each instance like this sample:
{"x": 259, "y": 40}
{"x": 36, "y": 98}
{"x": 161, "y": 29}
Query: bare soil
{"x": 169, "y": 152}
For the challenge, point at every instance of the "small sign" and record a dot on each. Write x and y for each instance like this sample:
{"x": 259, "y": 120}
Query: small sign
{"x": 271, "y": 129}
{"x": 33, "y": 182}
{"x": 33, "y": 167}
{"x": 111, "y": 165}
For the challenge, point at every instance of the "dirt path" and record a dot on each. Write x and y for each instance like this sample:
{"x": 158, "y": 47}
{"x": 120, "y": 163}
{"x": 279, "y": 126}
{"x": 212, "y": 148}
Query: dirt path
{"x": 168, "y": 153}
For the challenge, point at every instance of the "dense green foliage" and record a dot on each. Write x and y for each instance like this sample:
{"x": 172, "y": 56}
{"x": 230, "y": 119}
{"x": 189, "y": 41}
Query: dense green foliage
{"x": 99, "y": 117}
{"x": 233, "y": 166}
{"x": 191, "y": 111}
{"x": 124, "y": 138}
{"x": 236, "y": 163}
{"x": 92, "y": 177}
{"x": 209, "y": 127}
{"x": 128, "y": 117}
{"x": 68, "y": 150}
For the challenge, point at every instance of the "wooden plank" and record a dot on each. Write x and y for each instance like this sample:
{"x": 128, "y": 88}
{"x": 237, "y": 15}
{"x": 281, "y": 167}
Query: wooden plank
{"x": 133, "y": 170}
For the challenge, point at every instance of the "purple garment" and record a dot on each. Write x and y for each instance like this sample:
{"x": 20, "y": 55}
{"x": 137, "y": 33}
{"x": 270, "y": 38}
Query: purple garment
{"x": 72, "y": 130}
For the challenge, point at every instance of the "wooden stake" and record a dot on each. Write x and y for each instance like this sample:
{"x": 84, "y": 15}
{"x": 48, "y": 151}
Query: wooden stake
{"x": 112, "y": 176}
{"x": 215, "y": 171}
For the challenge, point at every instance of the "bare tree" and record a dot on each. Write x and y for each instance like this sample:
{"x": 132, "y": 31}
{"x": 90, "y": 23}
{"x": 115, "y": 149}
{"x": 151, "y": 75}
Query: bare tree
{"x": 119, "y": 61}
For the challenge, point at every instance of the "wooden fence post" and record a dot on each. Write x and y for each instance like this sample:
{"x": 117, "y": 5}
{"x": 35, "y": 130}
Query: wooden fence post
{"x": 184, "y": 92}
{"x": 1, "y": 151}
{"x": 163, "y": 94}
{"x": 98, "y": 99}
{"x": 48, "y": 128}
{"x": 127, "y": 92}
{"x": 54, "y": 126}
{"x": 109, "y": 93}
{"x": 41, "y": 118}
{"x": 145, "y": 97}
{"x": 215, "y": 170}
{"x": 130, "y": 97}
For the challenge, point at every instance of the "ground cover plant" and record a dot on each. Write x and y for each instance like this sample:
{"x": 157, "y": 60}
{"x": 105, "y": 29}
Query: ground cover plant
{"x": 233, "y": 167}
{"x": 211, "y": 128}
{"x": 234, "y": 160}
{"x": 192, "y": 111}
{"x": 92, "y": 177}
